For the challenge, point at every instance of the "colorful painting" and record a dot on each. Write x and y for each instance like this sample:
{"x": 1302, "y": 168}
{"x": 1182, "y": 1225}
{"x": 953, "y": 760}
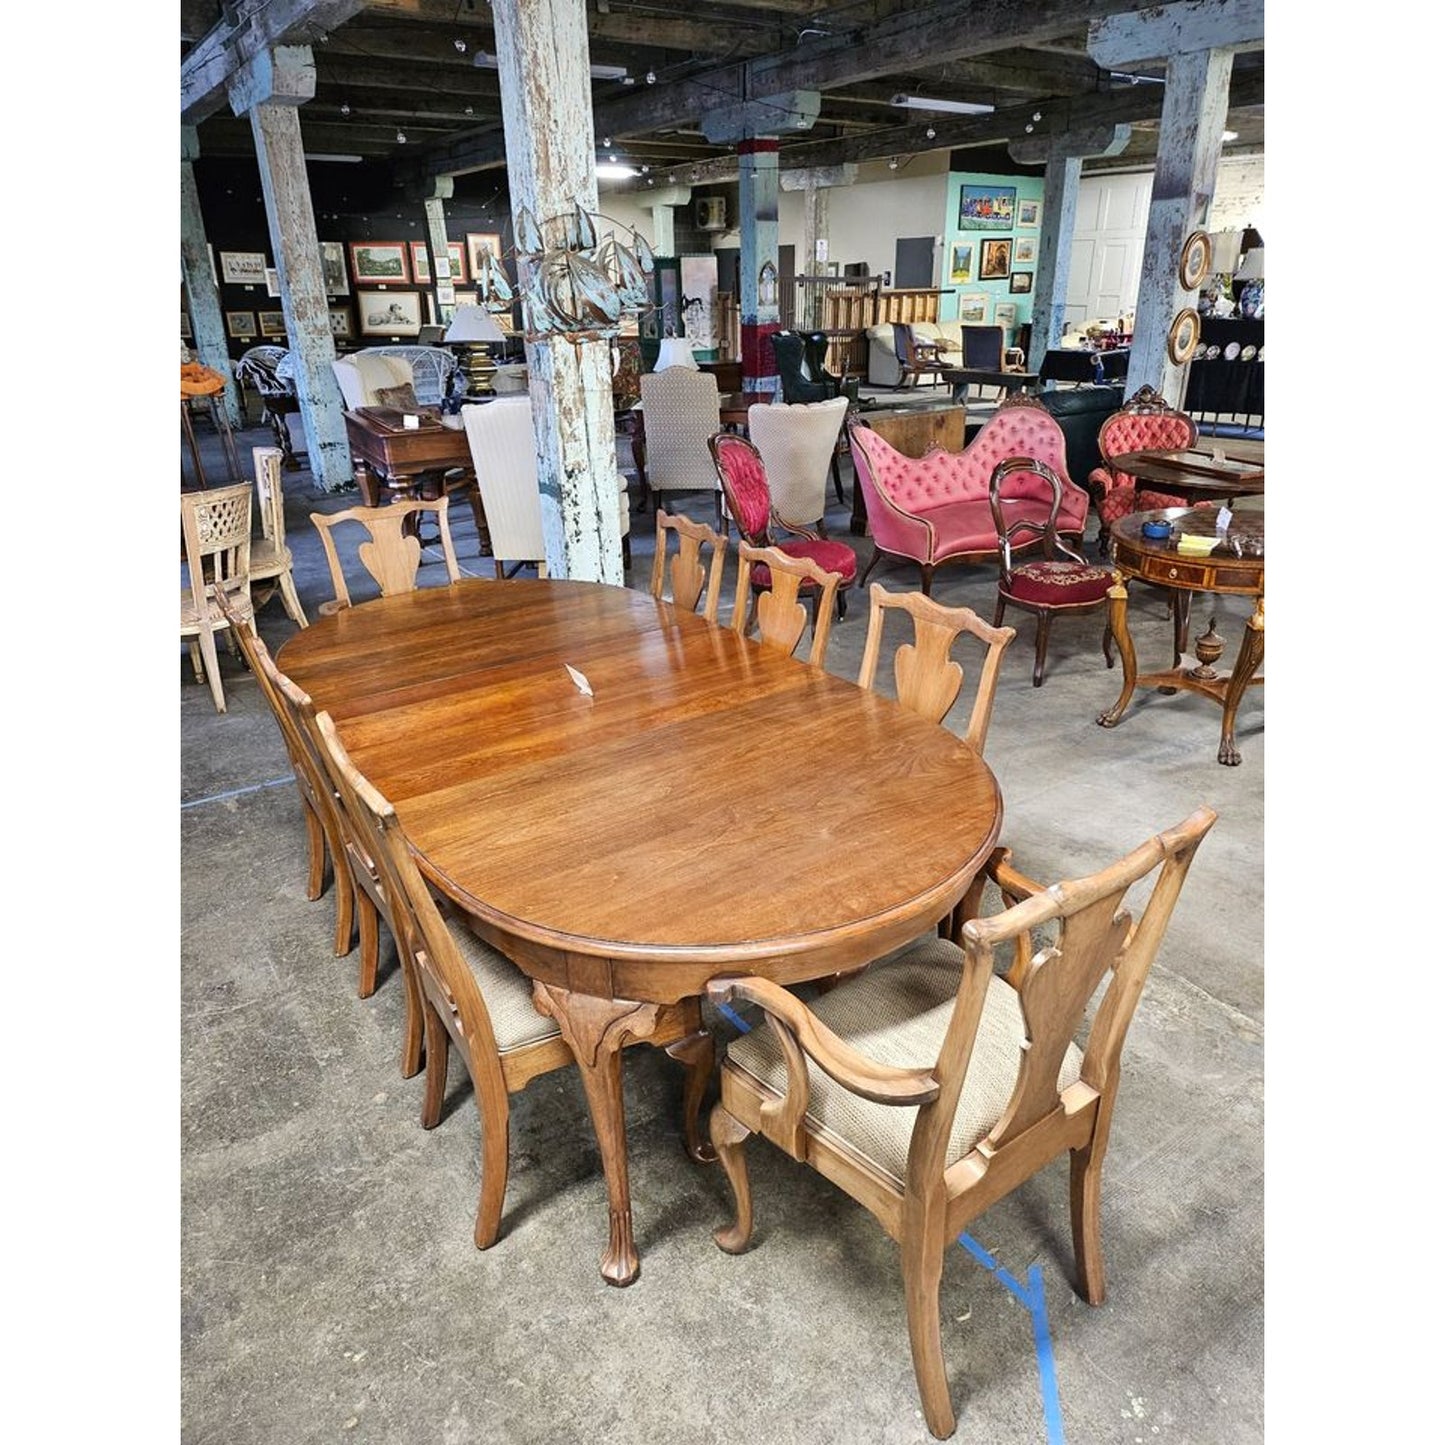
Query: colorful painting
{"x": 1026, "y": 251}
{"x": 996, "y": 260}
{"x": 379, "y": 261}
{"x": 1029, "y": 213}
{"x": 986, "y": 208}
{"x": 961, "y": 266}
{"x": 973, "y": 309}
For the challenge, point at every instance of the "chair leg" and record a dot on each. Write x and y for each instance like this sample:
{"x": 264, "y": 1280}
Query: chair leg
{"x": 291, "y": 600}
{"x": 922, "y": 1272}
{"x": 1085, "y": 1180}
{"x": 496, "y": 1140}
{"x": 207, "y": 642}
{"x": 872, "y": 562}
{"x": 695, "y": 1054}
{"x": 345, "y": 904}
{"x": 728, "y": 1137}
{"x": 838, "y": 482}
{"x": 1108, "y": 642}
{"x": 414, "y": 1026}
{"x": 1041, "y": 645}
{"x": 194, "y": 649}
{"x": 315, "y": 854}
{"x": 438, "y": 1051}
{"x": 370, "y": 944}
{"x": 925, "y": 570}
{"x": 999, "y": 609}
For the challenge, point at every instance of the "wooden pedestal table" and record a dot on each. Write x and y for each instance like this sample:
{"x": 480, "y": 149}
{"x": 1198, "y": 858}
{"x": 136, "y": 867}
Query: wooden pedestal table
{"x": 1234, "y": 568}
{"x": 626, "y": 846}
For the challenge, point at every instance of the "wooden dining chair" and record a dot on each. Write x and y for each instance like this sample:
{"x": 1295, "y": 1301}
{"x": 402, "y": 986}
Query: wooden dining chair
{"x": 931, "y": 1088}
{"x": 769, "y": 581}
{"x": 271, "y": 559}
{"x": 319, "y": 805}
{"x": 683, "y": 572}
{"x": 926, "y": 678}
{"x": 474, "y": 997}
{"x": 216, "y": 546}
{"x": 392, "y": 553}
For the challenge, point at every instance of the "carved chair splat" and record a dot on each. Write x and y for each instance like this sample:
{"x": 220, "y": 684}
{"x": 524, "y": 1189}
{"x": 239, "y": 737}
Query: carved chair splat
{"x": 392, "y": 555}
{"x": 684, "y": 570}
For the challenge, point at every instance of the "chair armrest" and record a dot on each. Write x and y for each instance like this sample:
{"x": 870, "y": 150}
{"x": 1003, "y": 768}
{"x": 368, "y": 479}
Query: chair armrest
{"x": 1012, "y": 883}
{"x": 882, "y": 1083}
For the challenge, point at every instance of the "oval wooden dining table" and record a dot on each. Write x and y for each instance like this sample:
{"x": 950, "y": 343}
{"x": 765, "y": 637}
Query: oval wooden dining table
{"x": 708, "y": 808}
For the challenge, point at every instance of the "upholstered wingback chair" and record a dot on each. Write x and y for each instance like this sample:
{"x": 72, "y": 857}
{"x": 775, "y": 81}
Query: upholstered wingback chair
{"x": 797, "y": 445}
{"x": 1146, "y": 423}
{"x": 935, "y": 508}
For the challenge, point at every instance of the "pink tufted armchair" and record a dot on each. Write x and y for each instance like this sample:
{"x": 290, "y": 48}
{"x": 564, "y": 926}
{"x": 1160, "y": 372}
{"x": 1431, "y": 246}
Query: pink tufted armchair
{"x": 935, "y": 508}
{"x": 1147, "y": 423}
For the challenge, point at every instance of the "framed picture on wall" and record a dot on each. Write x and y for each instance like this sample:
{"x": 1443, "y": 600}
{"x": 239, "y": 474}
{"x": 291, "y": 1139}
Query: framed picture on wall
{"x": 986, "y": 208}
{"x": 273, "y": 323}
{"x": 1029, "y": 213}
{"x": 1006, "y": 314}
{"x": 420, "y": 263}
{"x": 379, "y": 261}
{"x": 340, "y": 320}
{"x": 973, "y": 309}
{"x": 273, "y": 281}
{"x": 333, "y": 268}
{"x": 1021, "y": 281}
{"x": 458, "y": 253}
{"x": 389, "y": 313}
{"x": 960, "y": 265}
{"x": 241, "y": 325}
{"x": 186, "y": 326}
{"x": 480, "y": 243}
{"x": 1026, "y": 251}
{"x": 995, "y": 260}
{"x": 243, "y": 268}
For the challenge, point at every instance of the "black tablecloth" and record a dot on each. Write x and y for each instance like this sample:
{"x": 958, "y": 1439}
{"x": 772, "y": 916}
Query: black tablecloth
{"x": 1225, "y": 387}
{"x": 1065, "y": 365}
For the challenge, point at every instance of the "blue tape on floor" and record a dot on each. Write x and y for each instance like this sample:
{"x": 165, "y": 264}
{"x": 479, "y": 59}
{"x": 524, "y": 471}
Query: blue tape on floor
{"x": 238, "y": 792}
{"x": 1031, "y": 1296}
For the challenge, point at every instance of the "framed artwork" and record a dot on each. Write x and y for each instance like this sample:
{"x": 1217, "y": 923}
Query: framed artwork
{"x": 1183, "y": 336}
{"x": 379, "y": 261}
{"x": 986, "y": 208}
{"x": 273, "y": 281}
{"x": 1029, "y": 213}
{"x": 973, "y": 309}
{"x": 1006, "y": 314}
{"x": 995, "y": 260}
{"x": 479, "y": 242}
{"x": 273, "y": 323}
{"x": 243, "y": 268}
{"x": 333, "y": 269}
{"x": 960, "y": 265}
{"x": 389, "y": 313}
{"x": 458, "y": 253}
{"x": 1194, "y": 259}
{"x": 240, "y": 325}
{"x": 1026, "y": 251}
{"x": 186, "y": 326}
{"x": 340, "y": 320}
{"x": 1021, "y": 281}
{"x": 420, "y": 263}
{"x": 211, "y": 252}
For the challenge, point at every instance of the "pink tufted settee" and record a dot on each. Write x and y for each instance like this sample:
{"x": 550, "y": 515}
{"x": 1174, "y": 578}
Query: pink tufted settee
{"x": 934, "y": 508}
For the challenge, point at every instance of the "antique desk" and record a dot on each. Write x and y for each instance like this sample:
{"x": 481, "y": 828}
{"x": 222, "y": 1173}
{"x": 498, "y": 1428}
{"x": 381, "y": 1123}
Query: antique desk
{"x": 624, "y": 848}
{"x": 1234, "y": 567}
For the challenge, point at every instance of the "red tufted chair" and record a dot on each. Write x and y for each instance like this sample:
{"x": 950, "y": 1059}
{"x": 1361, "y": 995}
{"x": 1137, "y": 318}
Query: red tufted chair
{"x": 935, "y": 508}
{"x": 1058, "y": 580}
{"x": 750, "y": 502}
{"x": 1147, "y": 423}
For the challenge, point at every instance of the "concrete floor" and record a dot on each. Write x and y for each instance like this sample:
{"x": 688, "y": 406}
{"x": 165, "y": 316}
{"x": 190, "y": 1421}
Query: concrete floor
{"x": 330, "y": 1288}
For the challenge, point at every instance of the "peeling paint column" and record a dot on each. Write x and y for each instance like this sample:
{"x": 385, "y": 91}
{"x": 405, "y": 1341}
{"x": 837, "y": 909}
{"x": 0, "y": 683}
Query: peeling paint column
{"x": 442, "y": 188}
{"x": 270, "y": 88}
{"x": 815, "y": 184}
{"x": 203, "y": 298}
{"x": 758, "y": 263}
{"x": 664, "y": 219}
{"x": 543, "y": 65}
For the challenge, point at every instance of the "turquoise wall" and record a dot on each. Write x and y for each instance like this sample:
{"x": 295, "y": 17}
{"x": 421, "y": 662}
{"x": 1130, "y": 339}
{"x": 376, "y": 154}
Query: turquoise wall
{"x": 1026, "y": 189}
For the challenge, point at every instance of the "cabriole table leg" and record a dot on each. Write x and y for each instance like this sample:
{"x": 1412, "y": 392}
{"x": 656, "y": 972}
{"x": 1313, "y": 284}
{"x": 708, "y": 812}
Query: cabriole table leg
{"x": 1251, "y": 654}
{"x": 1119, "y": 630}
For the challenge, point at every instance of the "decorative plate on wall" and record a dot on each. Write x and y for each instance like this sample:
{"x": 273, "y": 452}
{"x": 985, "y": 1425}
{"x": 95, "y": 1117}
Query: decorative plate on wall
{"x": 1248, "y": 354}
{"x": 1194, "y": 260}
{"x": 1183, "y": 336}
{"x": 1231, "y": 352}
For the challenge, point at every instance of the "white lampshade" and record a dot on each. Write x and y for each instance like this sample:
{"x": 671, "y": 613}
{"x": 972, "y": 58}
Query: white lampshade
{"x": 473, "y": 323}
{"x": 1252, "y": 267}
{"x": 1224, "y": 250}
{"x": 675, "y": 351}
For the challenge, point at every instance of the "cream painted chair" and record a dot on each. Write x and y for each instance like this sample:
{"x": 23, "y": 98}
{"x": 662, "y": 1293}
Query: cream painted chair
{"x": 361, "y": 376}
{"x": 504, "y": 457}
{"x": 798, "y": 444}
{"x": 271, "y": 559}
{"x": 216, "y": 537}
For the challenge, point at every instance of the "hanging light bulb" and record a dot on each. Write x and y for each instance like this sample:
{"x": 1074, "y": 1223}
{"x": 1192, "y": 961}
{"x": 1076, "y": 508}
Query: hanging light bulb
{"x": 466, "y": 110}
{"x": 461, "y": 46}
{"x": 930, "y": 132}
{"x": 651, "y": 77}
{"x": 892, "y": 163}
{"x": 1028, "y": 129}
{"x": 607, "y": 140}
{"x": 345, "y": 109}
{"x": 401, "y": 137}
{"x": 1038, "y": 115}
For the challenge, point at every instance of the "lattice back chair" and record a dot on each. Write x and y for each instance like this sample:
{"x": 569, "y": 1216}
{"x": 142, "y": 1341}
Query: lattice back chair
{"x": 931, "y": 1088}
{"x": 679, "y": 414}
{"x": 744, "y": 482}
{"x": 216, "y": 537}
{"x": 773, "y": 580}
{"x": 1057, "y": 579}
{"x": 926, "y": 678}
{"x": 472, "y": 996}
{"x": 392, "y": 555}
{"x": 1146, "y": 423}
{"x": 684, "y": 570}
{"x": 325, "y": 835}
{"x": 271, "y": 559}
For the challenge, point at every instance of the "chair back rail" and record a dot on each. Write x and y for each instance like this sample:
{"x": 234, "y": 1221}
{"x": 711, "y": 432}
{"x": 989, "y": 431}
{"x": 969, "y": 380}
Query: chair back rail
{"x": 683, "y": 571}
{"x": 392, "y": 555}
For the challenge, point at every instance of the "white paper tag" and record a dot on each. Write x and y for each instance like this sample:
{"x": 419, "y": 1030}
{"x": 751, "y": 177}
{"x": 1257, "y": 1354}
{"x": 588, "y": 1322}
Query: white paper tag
{"x": 1217, "y": 454}
{"x": 1222, "y": 521}
{"x": 411, "y": 423}
{"x": 583, "y": 686}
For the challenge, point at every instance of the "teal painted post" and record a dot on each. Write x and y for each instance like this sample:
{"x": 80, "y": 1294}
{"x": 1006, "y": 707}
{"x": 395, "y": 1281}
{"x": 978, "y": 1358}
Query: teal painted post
{"x": 208, "y": 330}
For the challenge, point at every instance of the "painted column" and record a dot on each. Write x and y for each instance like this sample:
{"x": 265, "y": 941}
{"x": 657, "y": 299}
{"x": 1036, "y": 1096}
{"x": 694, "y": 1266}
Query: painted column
{"x": 664, "y": 219}
{"x": 436, "y": 237}
{"x": 270, "y": 88}
{"x": 816, "y": 184}
{"x": 203, "y": 298}
{"x": 758, "y": 265}
{"x": 542, "y": 59}
{"x": 1063, "y": 159}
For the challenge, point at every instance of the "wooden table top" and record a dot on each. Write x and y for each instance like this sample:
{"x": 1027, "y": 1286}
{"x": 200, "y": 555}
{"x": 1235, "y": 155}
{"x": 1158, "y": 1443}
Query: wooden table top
{"x": 711, "y": 806}
{"x": 1197, "y": 472}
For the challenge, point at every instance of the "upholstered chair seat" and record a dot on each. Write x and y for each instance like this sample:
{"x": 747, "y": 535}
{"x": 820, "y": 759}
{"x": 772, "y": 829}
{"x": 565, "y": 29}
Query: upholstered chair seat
{"x": 836, "y": 557}
{"x": 1060, "y": 584}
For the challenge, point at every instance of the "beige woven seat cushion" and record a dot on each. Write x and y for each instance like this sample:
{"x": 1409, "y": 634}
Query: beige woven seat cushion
{"x": 897, "y": 1012}
{"x": 506, "y": 989}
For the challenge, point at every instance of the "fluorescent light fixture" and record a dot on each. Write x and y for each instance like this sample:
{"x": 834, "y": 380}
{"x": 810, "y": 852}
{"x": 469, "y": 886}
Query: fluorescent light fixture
{"x": 953, "y": 107}
{"x": 484, "y": 61}
{"x": 322, "y": 156}
{"x": 608, "y": 171}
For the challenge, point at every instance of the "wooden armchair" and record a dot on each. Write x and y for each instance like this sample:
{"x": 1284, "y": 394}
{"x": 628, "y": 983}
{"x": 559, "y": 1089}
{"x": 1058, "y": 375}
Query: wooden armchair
{"x": 684, "y": 571}
{"x": 271, "y": 560}
{"x": 216, "y": 543}
{"x": 915, "y": 357}
{"x": 392, "y": 556}
{"x": 774, "y": 579}
{"x": 929, "y": 1088}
